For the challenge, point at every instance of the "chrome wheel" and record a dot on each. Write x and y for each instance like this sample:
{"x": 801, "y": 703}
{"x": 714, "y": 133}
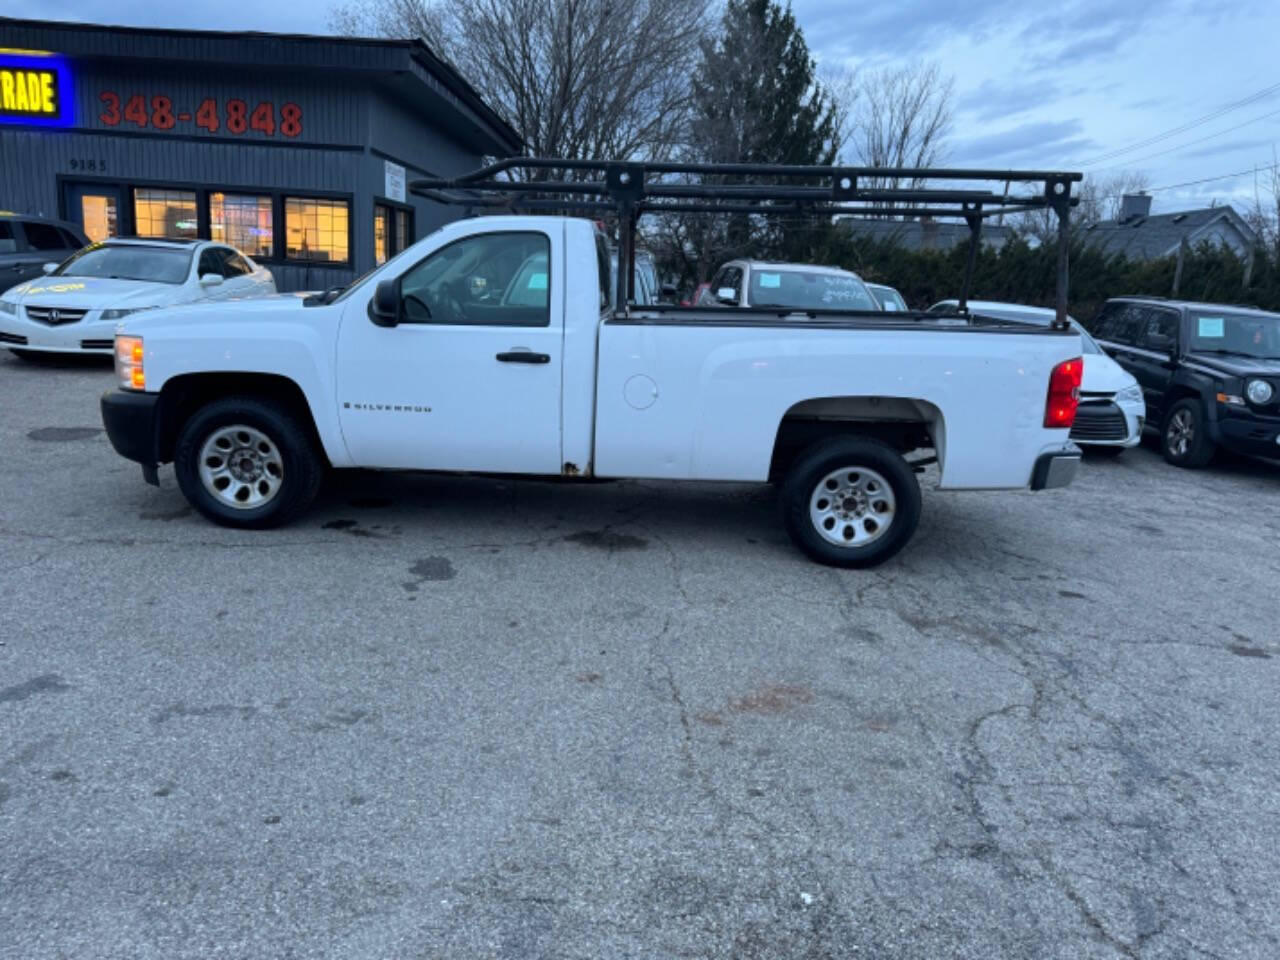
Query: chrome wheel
{"x": 241, "y": 467}
{"x": 1181, "y": 433}
{"x": 852, "y": 507}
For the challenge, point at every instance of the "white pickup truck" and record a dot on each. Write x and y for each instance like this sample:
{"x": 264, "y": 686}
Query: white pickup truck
{"x": 489, "y": 347}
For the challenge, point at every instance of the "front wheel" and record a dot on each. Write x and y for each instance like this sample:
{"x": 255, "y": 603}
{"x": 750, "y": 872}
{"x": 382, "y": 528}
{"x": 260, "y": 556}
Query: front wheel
{"x": 1184, "y": 439}
{"x": 850, "y": 502}
{"x": 249, "y": 463}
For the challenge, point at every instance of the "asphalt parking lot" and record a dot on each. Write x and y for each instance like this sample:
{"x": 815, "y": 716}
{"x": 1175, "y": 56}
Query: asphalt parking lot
{"x": 445, "y": 717}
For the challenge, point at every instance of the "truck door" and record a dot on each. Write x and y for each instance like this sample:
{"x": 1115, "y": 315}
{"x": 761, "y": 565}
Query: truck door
{"x": 470, "y": 377}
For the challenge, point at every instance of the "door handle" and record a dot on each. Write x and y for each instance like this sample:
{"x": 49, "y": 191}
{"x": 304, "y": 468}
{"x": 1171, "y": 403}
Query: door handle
{"x": 523, "y": 356}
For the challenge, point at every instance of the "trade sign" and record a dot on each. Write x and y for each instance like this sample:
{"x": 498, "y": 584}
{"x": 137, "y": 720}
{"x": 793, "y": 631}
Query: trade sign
{"x": 35, "y": 88}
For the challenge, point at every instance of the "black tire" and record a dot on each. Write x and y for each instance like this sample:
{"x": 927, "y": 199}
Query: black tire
{"x": 1185, "y": 421}
{"x": 825, "y": 457}
{"x": 302, "y": 466}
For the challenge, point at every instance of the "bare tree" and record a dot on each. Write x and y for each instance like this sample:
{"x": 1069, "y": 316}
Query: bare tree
{"x": 578, "y": 78}
{"x": 902, "y": 117}
{"x": 391, "y": 18}
{"x": 1100, "y": 199}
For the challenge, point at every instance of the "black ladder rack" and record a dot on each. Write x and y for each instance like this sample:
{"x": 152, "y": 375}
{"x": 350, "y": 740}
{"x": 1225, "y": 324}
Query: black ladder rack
{"x": 629, "y": 190}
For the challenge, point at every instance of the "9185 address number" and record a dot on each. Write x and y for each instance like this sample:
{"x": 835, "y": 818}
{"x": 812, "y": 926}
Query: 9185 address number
{"x": 158, "y": 112}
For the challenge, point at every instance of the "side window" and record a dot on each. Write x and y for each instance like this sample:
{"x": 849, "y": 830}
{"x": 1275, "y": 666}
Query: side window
{"x": 1104, "y": 323}
{"x": 494, "y": 279}
{"x": 8, "y": 244}
{"x": 730, "y": 277}
{"x": 42, "y": 236}
{"x": 210, "y": 261}
{"x": 71, "y": 241}
{"x": 1126, "y": 326}
{"x": 1161, "y": 330}
{"x": 234, "y": 265}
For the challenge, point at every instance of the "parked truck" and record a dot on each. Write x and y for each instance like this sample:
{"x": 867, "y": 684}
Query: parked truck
{"x": 490, "y": 347}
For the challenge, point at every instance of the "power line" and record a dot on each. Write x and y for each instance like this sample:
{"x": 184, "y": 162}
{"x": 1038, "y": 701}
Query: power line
{"x": 1192, "y": 183}
{"x": 1192, "y": 143}
{"x": 1189, "y": 125}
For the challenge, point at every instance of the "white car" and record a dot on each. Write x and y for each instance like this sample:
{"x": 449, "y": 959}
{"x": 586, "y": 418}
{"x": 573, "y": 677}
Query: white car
{"x": 791, "y": 286}
{"x": 1112, "y": 411}
{"x": 75, "y": 306}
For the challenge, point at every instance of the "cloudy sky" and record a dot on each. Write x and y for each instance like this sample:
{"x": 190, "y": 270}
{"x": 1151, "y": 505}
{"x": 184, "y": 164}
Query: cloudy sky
{"x": 1072, "y": 88}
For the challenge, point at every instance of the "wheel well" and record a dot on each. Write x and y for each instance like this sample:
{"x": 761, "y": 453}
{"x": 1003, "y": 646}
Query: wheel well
{"x": 182, "y": 396}
{"x": 903, "y": 424}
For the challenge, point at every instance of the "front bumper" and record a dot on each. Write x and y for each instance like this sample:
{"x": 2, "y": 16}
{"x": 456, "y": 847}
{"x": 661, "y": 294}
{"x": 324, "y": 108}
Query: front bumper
{"x": 81, "y": 336}
{"x": 1255, "y": 436}
{"x": 130, "y": 419}
{"x": 1109, "y": 424}
{"x": 1056, "y": 469}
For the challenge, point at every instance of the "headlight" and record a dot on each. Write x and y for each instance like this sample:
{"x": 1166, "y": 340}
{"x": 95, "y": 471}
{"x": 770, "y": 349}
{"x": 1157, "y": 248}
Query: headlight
{"x": 1130, "y": 394}
{"x": 129, "y": 357}
{"x": 8, "y": 307}
{"x": 1259, "y": 392}
{"x": 121, "y": 314}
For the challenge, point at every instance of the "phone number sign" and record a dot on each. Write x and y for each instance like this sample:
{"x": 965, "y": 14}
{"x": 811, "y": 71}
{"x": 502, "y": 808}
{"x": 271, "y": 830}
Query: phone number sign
{"x": 157, "y": 111}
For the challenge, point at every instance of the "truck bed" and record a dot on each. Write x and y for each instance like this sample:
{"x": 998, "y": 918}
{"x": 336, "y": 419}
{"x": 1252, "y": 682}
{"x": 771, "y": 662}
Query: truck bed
{"x": 701, "y": 393}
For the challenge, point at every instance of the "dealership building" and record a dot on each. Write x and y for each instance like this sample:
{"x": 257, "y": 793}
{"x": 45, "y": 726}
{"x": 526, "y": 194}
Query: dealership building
{"x": 296, "y": 149}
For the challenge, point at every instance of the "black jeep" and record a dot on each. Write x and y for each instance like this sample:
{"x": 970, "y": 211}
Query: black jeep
{"x": 1210, "y": 373}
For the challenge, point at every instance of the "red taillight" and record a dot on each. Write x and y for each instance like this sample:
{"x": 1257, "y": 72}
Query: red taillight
{"x": 1064, "y": 394}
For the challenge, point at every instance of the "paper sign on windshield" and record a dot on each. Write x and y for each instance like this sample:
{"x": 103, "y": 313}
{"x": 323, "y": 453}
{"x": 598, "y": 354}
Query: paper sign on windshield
{"x": 771, "y": 281}
{"x": 538, "y": 281}
{"x": 1212, "y": 327}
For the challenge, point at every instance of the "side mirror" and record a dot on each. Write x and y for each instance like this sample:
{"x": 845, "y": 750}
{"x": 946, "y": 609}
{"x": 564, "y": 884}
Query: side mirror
{"x": 727, "y": 295}
{"x": 49, "y": 267}
{"x": 384, "y": 308}
{"x": 210, "y": 279}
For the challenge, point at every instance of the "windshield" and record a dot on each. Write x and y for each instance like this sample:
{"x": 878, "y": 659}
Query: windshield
{"x": 1245, "y": 334}
{"x": 805, "y": 289}
{"x": 129, "y": 262}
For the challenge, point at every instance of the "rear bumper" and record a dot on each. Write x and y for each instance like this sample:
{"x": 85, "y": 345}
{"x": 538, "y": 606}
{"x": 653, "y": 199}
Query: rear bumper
{"x": 1055, "y": 469}
{"x": 130, "y": 422}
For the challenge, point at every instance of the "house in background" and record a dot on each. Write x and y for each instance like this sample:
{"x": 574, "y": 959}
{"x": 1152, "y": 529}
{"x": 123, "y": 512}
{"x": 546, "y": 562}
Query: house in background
{"x": 1140, "y": 236}
{"x": 925, "y": 233}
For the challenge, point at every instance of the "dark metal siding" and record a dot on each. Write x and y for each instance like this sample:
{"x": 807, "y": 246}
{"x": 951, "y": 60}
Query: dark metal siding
{"x": 351, "y": 124}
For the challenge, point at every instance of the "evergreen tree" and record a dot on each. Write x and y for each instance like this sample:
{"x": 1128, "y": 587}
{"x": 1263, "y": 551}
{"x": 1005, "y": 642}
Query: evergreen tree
{"x": 756, "y": 99}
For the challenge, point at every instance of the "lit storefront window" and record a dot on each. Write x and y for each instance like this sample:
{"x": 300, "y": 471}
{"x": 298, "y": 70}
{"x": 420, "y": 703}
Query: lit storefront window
{"x": 242, "y": 220}
{"x": 98, "y": 214}
{"x": 316, "y": 229}
{"x": 392, "y": 232}
{"x": 164, "y": 213}
{"x": 381, "y": 234}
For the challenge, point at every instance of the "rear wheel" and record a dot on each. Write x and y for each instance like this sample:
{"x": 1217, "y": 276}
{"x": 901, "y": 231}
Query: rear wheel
{"x": 850, "y": 502}
{"x": 1184, "y": 439}
{"x": 248, "y": 463}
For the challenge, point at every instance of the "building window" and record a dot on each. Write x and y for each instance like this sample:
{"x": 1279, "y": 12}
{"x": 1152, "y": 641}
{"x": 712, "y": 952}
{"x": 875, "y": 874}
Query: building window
{"x": 164, "y": 213}
{"x": 243, "y": 221}
{"x": 99, "y": 216}
{"x": 392, "y": 231}
{"x": 316, "y": 230}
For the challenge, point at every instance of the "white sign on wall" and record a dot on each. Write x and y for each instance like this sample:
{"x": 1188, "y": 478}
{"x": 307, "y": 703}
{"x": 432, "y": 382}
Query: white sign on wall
{"x": 395, "y": 182}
